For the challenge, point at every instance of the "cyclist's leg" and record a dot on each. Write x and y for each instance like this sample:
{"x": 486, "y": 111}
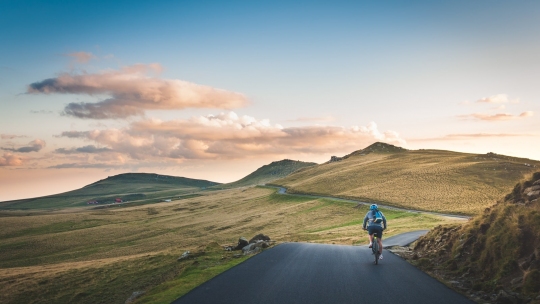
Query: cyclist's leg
{"x": 379, "y": 239}
{"x": 370, "y": 234}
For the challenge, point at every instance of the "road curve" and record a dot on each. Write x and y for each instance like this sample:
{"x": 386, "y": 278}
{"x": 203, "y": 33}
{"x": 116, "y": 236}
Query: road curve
{"x": 282, "y": 190}
{"x": 403, "y": 239}
{"x": 321, "y": 273}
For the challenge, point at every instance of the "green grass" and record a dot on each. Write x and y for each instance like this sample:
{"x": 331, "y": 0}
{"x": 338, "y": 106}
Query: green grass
{"x": 111, "y": 284}
{"x": 198, "y": 271}
{"x": 56, "y": 228}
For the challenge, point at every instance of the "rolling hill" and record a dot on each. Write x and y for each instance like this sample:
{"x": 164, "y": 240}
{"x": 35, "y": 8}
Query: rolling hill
{"x": 268, "y": 173}
{"x": 433, "y": 180}
{"x": 128, "y": 187}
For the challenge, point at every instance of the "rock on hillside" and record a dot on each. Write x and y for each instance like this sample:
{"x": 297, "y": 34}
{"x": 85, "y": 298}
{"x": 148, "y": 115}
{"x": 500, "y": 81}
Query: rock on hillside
{"x": 378, "y": 147}
{"x": 495, "y": 257}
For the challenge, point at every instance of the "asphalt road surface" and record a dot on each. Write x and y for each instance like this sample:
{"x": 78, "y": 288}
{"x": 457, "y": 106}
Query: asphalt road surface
{"x": 319, "y": 273}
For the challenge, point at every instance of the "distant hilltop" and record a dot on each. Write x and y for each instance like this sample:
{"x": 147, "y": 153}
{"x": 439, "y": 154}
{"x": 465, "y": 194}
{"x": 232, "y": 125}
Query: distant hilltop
{"x": 378, "y": 147}
{"x": 153, "y": 177}
{"x": 269, "y": 173}
{"x": 121, "y": 187}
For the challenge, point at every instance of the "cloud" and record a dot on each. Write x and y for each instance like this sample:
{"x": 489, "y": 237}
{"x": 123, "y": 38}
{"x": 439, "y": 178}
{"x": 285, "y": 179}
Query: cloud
{"x": 313, "y": 119}
{"x": 496, "y": 117}
{"x": 9, "y": 159}
{"x": 82, "y": 57}
{"x": 84, "y": 166}
{"x": 132, "y": 91}
{"x": 526, "y": 114}
{"x": 33, "y": 146}
{"x": 229, "y": 136}
{"x": 498, "y": 99}
{"x": 11, "y": 136}
{"x": 41, "y": 112}
{"x": 86, "y": 149}
{"x": 466, "y": 136}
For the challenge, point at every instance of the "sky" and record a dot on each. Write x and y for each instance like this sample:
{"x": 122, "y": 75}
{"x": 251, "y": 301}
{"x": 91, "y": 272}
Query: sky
{"x": 215, "y": 89}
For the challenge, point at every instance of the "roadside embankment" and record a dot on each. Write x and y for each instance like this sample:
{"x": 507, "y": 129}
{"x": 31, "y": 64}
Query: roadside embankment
{"x": 493, "y": 258}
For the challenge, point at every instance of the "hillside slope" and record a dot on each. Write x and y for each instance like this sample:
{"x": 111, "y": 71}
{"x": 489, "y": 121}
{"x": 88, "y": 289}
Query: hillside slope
{"x": 268, "y": 173}
{"x": 433, "y": 180}
{"x": 128, "y": 186}
{"x": 495, "y": 256}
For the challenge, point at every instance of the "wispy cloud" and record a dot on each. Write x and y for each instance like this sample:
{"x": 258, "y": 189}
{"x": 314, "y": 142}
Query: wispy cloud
{"x": 86, "y": 149}
{"x": 132, "y": 91}
{"x": 11, "y": 136}
{"x": 9, "y": 159}
{"x": 33, "y": 146}
{"x": 466, "y": 136}
{"x": 41, "y": 112}
{"x": 320, "y": 119}
{"x": 82, "y": 57}
{"x": 498, "y": 99}
{"x": 496, "y": 117}
{"x": 228, "y": 135}
{"x": 85, "y": 166}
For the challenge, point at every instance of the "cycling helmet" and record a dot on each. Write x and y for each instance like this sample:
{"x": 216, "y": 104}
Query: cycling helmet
{"x": 373, "y": 207}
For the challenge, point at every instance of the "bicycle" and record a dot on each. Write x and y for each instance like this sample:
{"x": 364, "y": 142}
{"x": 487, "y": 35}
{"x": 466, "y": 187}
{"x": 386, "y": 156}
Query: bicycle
{"x": 375, "y": 249}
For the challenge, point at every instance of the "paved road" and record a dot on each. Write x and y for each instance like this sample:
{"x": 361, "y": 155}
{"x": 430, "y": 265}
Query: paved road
{"x": 319, "y": 273}
{"x": 403, "y": 239}
{"x": 282, "y": 190}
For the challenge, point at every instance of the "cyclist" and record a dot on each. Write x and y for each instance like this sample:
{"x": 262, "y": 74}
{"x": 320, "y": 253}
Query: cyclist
{"x": 377, "y": 223}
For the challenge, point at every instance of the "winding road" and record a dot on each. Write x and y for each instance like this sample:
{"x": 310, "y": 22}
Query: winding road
{"x": 320, "y": 273}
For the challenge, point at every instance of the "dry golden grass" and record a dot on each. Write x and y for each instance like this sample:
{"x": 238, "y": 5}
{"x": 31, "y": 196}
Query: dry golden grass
{"x": 57, "y": 257}
{"x": 434, "y": 180}
{"x": 499, "y": 249}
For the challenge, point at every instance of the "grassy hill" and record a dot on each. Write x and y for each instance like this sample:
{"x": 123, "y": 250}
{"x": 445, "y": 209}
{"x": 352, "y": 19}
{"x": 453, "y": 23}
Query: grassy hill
{"x": 435, "y": 180}
{"x": 495, "y": 256}
{"x": 128, "y": 187}
{"x": 104, "y": 255}
{"x": 268, "y": 173}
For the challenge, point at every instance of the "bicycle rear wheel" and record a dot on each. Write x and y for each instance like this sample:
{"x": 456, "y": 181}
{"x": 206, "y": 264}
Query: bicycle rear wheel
{"x": 375, "y": 249}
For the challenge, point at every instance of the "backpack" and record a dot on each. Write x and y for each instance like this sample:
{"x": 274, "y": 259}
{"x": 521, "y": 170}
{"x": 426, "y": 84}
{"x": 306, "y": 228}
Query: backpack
{"x": 377, "y": 217}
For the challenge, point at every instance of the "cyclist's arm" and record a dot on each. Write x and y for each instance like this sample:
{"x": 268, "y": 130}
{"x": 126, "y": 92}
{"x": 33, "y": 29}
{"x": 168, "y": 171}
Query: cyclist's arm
{"x": 384, "y": 220}
{"x": 365, "y": 221}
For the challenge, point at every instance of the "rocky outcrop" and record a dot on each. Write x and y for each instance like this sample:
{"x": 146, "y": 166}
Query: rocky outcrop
{"x": 259, "y": 237}
{"x": 134, "y": 297}
{"x": 184, "y": 256}
{"x": 255, "y": 244}
{"x": 242, "y": 242}
{"x": 335, "y": 159}
{"x": 527, "y": 192}
{"x": 255, "y": 247}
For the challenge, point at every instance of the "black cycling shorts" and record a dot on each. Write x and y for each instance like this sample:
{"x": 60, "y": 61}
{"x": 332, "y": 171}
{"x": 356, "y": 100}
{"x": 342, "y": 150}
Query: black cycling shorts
{"x": 377, "y": 230}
